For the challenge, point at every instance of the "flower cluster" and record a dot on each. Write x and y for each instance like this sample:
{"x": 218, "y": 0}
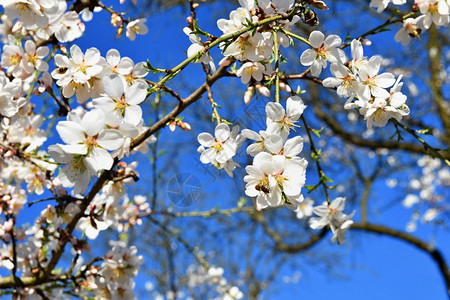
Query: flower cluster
{"x": 428, "y": 191}
{"x": 44, "y": 19}
{"x": 113, "y": 279}
{"x": 432, "y": 12}
{"x": 219, "y": 150}
{"x": 323, "y": 50}
{"x": 214, "y": 278}
{"x": 254, "y": 49}
{"x": 330, "y": 214}
{"x": 277, "y": 174}
{"x": 81, "y": 74}
{"x": 359, "y": 81}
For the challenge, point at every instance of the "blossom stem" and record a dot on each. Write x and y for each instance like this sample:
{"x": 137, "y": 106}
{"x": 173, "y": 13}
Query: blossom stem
{"x": 431, "y": 150}
{"x": 322, "y": 176}
{"x": 277, "y": 67}
{"x": 228, "y": 37}
{"x": 298, "y": 37}
{"x": 379, "y": 28}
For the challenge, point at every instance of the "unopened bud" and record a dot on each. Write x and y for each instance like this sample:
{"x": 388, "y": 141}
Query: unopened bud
{"x": 184, "y": 125}
{"x": 172, "y": 126}
{"x": 248, "y": 94}
{"x": 119, "y": 31}
{"x": 285, "y": 87}
{"x": 189, "y": 20}
{"x": 116, "y": 20}
{"x": 318, "y": 4}
{"x": 366, "y": 42}
{"x": 8, "y": 226}
{"x": 263, "y": 90}
{"x": 17, "y": 27}
{"x": 10, "y": 153}
{"x": 63, "y": 49}
{"x": 81, "y": 26}
{"x": 195, "y": 5}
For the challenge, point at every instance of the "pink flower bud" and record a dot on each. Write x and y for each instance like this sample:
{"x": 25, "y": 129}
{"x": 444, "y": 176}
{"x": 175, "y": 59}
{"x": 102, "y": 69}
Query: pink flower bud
{"x": 263, "y": 90}
{"x": 184, "y": 125}
{"x": 248, "y": 94}
{"x": 366, "y": 42}
{"x": 172, "y": 126}
{"x": 81, "y": 26}
{"x": 17, "y": 27}
{"x": 10, "y": 153}
{"x": 318, "y": 4}
{"x": 116, "y": 20}
{"x": 285, "y": 87}
{"x": 63, "y": 49}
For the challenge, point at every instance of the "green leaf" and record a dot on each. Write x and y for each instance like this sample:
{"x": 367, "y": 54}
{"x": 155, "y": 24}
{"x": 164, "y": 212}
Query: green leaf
{"x": 316, "y": 155}
{"x": 197, "y": 29}
{"x": 325, "y": 178}
{"x": 317, "y": 131}
{"x": 152, "y": 69}
{"x": 311, "y": 188}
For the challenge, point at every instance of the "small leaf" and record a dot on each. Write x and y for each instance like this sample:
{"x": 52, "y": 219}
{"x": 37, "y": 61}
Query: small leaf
{"x": 317, "y": 131}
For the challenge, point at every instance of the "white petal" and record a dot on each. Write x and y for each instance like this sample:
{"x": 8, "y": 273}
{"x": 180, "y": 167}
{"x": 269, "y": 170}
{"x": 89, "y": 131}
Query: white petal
{"x": 99, "y": 159}
{"x": 293, "y": 146}
{"x": 133, "y": 114}
{"x": 93, "y": 122}
{"x": 136, "y": 93}
{"x": 275, "y": 111}
{"x": 333, "y": 41}
{"x": 113, "y": 86}
{"x": 205, "y": 139}
{"x": 308, "y": 57}
{"x": 70, "y": 132}
{"x": 110, "y": 139}
{"x": 316, "y": 38}
{"x": 222, "y": 132}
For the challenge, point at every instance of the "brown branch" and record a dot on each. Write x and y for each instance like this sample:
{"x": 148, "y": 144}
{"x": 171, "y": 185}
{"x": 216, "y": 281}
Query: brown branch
{"x": 372, "y": 144}
{"x": 280, "y": 245}
{"x": 177, "y": 110}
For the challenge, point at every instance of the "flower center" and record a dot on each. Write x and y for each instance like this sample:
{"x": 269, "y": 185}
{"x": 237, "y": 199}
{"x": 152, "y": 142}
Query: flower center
{"x": 322, "y": 51}
{"x": 14, "y": 59}
{"x": 121, "y": 105}
{"x": 33, "y": 58}
{"x": 91, "y": 142}
{"x": 433, "y": 8}
{"x": 218, "y": 146}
